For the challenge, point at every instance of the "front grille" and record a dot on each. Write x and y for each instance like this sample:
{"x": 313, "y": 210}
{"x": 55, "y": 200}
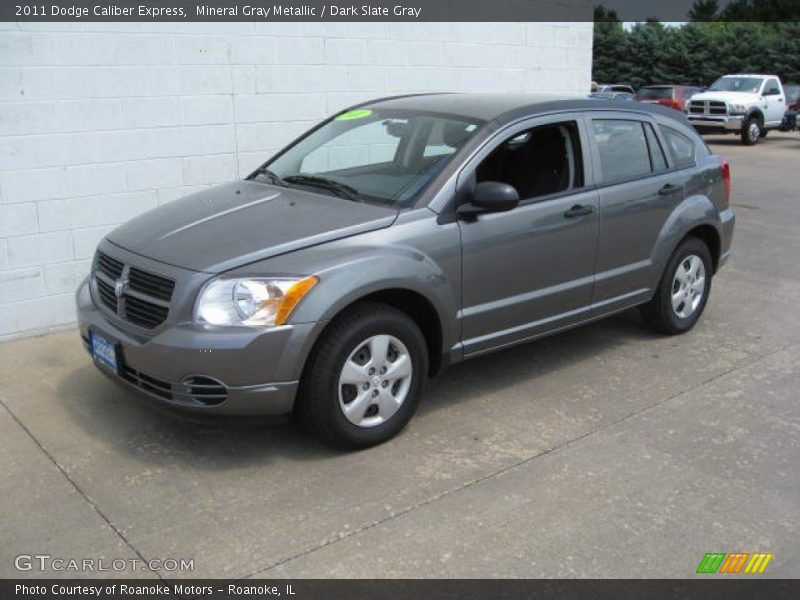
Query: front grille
{"x": 110, "y": 266}
{"x": 197, "y": 389}
{"x": 143, "y": 313}
{"x": 107, "y": 295}
{"x": 133, "y": 294}
{"x": 151, "y": 284}
{"x": 155, "y": 386}
{"x": 708, "y": 107}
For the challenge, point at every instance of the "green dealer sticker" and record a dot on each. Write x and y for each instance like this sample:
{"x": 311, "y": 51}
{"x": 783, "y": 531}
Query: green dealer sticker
{"x": 354, "y": 114}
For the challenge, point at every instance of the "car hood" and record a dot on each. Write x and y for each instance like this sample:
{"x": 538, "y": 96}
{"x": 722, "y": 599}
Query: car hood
{"x": 238, "y": 223}
{"x": 736, "y": 97}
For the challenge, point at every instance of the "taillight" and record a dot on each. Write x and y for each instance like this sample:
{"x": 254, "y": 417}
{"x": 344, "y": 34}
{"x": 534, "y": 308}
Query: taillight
{"x": 726, "y": 180}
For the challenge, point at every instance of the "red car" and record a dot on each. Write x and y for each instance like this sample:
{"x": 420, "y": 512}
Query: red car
{"x": 674, "y": 96}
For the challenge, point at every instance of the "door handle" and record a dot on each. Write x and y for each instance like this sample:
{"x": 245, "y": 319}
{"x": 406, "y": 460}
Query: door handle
{"x": 579, "y": 211}
{"x": 669, "y": 189}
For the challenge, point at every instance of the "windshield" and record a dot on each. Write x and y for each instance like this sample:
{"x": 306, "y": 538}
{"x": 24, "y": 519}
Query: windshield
{"x": 737, "y": 84}
{"x": 656, "y": 93}
{"x": 372, "y": 155}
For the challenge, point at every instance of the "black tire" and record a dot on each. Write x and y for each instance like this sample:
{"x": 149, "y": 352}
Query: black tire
{"x": 764, "y": 133}
{"x": 659, "y": 313}
{"x": 318, "y": 405}
{"x": 749, "y": 135}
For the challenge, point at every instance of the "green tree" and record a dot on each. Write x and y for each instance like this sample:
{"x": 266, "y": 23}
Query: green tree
{"x": 610, "y": 47}
{"x": 704, "y": 10}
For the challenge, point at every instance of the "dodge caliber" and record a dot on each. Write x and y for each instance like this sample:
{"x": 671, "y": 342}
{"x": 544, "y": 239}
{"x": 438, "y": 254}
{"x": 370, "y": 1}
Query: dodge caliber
{"x": 401, "y": 236}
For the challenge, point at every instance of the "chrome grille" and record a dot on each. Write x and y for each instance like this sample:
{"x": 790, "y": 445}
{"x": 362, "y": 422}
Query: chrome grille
{"x": 133, "y": 294}
{"x": 708, "y": 107}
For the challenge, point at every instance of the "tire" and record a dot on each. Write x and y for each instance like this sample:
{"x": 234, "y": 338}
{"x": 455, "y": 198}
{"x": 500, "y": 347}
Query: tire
{"x": 752, "y": 131}
{"x": 372, "y": 409}
{"x": 675, "y": 318}
{"x": 764, "y": 133}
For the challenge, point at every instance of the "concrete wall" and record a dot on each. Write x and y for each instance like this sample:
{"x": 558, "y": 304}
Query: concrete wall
{"x": 101, "y": 121}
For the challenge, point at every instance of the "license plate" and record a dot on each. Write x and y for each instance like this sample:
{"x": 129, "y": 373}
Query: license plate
{"x": 104, "y": 351}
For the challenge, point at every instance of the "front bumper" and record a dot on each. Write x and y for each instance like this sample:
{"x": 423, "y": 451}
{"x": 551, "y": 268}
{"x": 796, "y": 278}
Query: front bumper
{"x": 258, "y": 369}
{"x": 712, "y": 122}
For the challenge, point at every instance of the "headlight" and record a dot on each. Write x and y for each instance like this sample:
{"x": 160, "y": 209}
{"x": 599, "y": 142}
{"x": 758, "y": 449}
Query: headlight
{"x": 251, "y": 302}
{"x": 737, "y": 109}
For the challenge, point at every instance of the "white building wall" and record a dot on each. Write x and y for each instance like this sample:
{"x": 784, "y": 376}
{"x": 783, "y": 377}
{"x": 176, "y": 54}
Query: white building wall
{"x": 101, "y": 121}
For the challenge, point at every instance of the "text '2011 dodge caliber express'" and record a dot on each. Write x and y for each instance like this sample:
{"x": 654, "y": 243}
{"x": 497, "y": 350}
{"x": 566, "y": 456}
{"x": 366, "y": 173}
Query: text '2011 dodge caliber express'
{"x": 401, "y": 236}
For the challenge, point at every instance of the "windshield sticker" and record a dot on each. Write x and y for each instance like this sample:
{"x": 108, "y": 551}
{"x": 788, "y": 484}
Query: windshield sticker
{"x": 354, "y": 114}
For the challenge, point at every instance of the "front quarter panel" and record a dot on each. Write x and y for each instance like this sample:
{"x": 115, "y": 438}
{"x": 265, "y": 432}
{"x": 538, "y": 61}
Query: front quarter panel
{"x": 415, "y": 254}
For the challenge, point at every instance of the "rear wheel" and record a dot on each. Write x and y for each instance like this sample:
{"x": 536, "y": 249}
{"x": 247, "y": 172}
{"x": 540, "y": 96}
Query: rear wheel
{"x": 364, "y": 379}
{"x": 683, "y": 290}
{"x": 752, "y": 131}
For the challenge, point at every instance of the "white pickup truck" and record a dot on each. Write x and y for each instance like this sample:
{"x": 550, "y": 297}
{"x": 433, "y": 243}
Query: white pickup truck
{"x": 749, "y": 105}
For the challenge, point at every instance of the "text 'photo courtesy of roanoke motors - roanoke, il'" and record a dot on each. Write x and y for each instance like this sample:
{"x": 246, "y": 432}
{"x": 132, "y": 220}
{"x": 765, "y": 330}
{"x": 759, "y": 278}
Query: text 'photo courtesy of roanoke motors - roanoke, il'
{"x": 439, "y": 299}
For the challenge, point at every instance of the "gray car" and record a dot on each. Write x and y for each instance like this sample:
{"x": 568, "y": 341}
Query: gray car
{"x": 401, "y": 236}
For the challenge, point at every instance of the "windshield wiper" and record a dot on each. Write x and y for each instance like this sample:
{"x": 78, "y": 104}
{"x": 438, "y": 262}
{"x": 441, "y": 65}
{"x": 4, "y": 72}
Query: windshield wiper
{"x": 340, "y": 189}
{"x": 271, "y": 175}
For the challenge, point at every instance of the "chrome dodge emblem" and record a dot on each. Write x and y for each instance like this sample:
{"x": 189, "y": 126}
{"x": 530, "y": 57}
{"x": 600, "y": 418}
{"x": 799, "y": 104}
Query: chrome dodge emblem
{"x": 120, "y": 285}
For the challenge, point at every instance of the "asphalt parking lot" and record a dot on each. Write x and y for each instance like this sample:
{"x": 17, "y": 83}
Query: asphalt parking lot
{"x": 607, "y": 451}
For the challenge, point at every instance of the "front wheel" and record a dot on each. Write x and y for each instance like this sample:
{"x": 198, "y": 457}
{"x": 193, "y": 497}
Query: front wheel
{"x": 683, "y": 290}
{"x": 752, "y": 131}
{"x": 364, "y": 379}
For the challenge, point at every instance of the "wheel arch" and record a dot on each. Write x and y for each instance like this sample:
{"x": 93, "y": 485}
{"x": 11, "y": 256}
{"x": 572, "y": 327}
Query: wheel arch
{"x": 696, "y": 216}
{"x": 756, "y": 112}
{"x": 710, "y": 236}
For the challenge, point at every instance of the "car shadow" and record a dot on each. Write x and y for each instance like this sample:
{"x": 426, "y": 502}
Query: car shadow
{"x": 139, "y": 428}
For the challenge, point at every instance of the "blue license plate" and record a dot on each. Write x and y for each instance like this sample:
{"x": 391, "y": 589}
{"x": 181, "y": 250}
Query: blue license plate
{"x": 104, "y": 351}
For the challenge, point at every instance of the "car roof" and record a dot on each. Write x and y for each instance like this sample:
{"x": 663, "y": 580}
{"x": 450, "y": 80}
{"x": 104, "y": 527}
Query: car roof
{"x": 503, "y": 108}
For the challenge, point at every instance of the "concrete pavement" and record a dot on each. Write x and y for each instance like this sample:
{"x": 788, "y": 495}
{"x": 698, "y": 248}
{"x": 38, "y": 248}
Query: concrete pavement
{"x": 607, "y": 451}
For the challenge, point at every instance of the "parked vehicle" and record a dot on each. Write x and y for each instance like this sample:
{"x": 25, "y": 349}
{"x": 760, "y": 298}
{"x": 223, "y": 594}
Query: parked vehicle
{"x": 749, "y": 105}
{"x": 625, "y": 96}
{"x": 792, "y": 107}
{"x": 673, "y": 96}
{"x": 398, "y": 237}
{"x": 615, "y": 87}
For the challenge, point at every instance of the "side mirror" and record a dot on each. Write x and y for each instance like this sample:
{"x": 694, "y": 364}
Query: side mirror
{"x": 772, "y": 92}
{"x": 490, "y": 197}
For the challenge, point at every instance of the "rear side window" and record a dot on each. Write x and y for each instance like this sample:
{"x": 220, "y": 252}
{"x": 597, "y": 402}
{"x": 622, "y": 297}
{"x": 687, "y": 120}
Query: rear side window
{"x": 623, "y": 150}
{"x": 681, "y": 148}
{"x": 657, "y": 158}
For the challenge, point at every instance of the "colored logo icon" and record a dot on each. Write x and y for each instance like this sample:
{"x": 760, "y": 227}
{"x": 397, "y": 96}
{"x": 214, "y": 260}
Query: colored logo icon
{"x": 735, "y": 562}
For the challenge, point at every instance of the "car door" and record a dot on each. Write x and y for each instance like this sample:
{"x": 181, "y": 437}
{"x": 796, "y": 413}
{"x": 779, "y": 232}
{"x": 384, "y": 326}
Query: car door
{"x": 639, "y": 186}
{"x": 776, "y": 102}
{"x": 529, "y": 270}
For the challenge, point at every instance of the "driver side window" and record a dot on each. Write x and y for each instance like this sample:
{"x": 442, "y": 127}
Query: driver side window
{"x": 771, "y": 88}
{"x": 538, "y": 162}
